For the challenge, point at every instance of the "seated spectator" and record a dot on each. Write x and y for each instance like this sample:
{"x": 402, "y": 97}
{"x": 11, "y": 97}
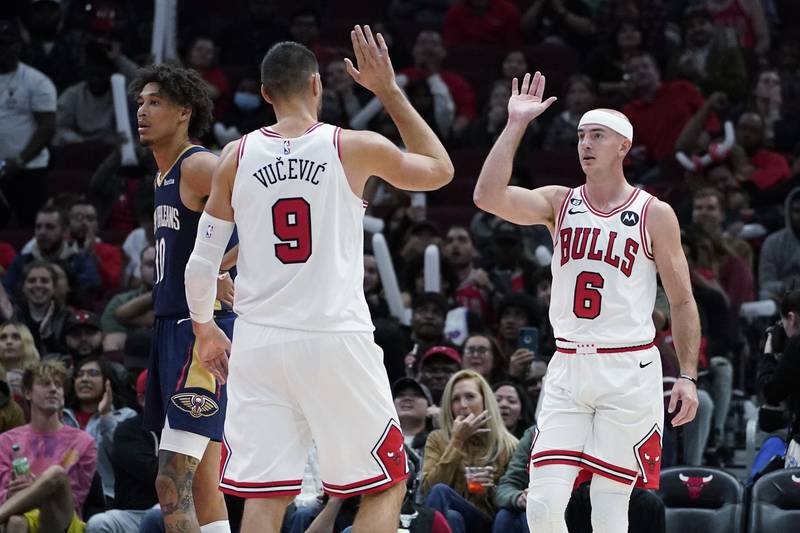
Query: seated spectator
{"x": 86, "y": 110}
{"x": 433, "y": 103}
{"x": 482, "y": 354}
{"x": 92, "y": 409}
{"x": 62, "y": 460}
{"x": 659, "y": 110}
{"x": 134, "y": 460}
{"x": 438, "y": 364}
{"x": 419, "y": 13}
{"x": 506, "y": 264}
{"x": 779, "y": 262}
{"x": 83, "y": 336}
{"x": 248, "y": 113}
{"x": 745, "y": 21}
{"x": 11, "y": 414}
{"x": 580, "y": 95}
{"x": 202, "y": 55}
{"x": 39, "y": 309}
{"x": 29, "y": 113}
{"x": 83, "y": 229}
{"x": 135, "y": 243}
{"x": 487, "y": 22}
{"x": 471, "y": 435}
{"x": 304, "y": 29}
{"x": 767, "y": 168}
{"x": 474, "y": 288}
{"x": 48, "y": 49}
{"x": 17, "y": 351}
{"x": 562, "y": 22}
{"x": 412, "y": 400}
{"x": 50, "y": 245}
{"x": 130, "y": 310}
{"x": 767, "y": 100}
{"x": 514, "y": 312}
{"x": 428, "y": 314}
{"x": 493, "y": 117}
{"x": 606, "y": 64}
{"x": 514, "y": 407}
{"x": 342, "y": 98}
{"x": 645, "y": 510}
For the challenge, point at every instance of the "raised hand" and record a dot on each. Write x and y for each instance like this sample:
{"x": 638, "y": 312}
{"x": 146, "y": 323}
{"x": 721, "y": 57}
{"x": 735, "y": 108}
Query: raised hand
{"x": 104, "y": 407}
{"x": 375, "y": 71}
{"x": 465, "y": 427}
{"x": 526, "y": 103}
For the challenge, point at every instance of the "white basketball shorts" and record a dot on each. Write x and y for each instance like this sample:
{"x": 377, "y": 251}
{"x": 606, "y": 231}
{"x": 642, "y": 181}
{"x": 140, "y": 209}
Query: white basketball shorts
{"x": 603, "y": 411}
{"x": 287, "y": 387}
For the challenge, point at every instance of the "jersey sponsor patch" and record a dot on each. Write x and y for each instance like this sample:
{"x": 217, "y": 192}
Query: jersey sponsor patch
{"x": 629, "y": 218}
{"x": 195, "y": 404}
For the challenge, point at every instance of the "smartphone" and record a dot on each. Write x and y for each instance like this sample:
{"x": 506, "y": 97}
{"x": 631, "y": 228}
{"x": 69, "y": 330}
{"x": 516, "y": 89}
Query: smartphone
{"x": 528, "y": 338}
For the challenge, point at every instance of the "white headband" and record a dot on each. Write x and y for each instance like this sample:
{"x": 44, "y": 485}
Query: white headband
{"x": 604, "y": 118}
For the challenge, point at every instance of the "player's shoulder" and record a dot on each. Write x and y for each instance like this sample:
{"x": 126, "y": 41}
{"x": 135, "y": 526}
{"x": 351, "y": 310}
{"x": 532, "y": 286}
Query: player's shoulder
{"x": 200, "y": 163}
{"x": 660, "y": 219}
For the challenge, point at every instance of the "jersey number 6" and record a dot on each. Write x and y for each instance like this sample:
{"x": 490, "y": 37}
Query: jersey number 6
{"x": 588, "y": 298}
{"x": 291, "y": 223}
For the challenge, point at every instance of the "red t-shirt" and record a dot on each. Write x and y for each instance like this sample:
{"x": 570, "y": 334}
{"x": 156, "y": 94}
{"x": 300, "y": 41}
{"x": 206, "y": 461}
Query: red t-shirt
{"x": 658, "y": 123}
{"x": 7, "y": 254}
{"x": 82, "y": 417}
{"x": 460, "y": 89}
{"x": 498, "y": 25}
{"x": 109, "y": 264}
{"x": 770, "y": 169}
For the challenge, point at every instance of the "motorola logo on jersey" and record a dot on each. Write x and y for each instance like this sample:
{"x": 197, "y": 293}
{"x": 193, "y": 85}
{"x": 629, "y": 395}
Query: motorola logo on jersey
{"x": 629, "y": 218}
{"x": 580, "y": 243}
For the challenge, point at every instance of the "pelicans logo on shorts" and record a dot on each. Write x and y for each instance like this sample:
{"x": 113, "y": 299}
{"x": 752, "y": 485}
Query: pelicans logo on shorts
{"x": 195, "y": 404}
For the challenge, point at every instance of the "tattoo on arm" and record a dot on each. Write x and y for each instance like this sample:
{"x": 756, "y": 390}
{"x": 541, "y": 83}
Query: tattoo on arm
{"x": 175, "y": 474}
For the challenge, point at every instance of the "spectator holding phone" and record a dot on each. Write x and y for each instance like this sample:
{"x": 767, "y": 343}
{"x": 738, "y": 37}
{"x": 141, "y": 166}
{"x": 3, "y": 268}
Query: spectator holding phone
{"x": 468, "y": 455}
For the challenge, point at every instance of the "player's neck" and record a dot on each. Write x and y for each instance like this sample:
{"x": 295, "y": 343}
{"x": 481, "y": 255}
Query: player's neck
{"x": 294, "y": 118}
{"x": 607, "y": 190}
{"x": 165, "y": 153}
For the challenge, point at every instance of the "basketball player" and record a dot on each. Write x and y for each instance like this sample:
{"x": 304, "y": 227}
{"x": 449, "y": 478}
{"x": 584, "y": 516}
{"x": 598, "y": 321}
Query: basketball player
{"x": 304, "y": 364}
{"x": 183, "y": 400}
{"x": 602, "y": 408}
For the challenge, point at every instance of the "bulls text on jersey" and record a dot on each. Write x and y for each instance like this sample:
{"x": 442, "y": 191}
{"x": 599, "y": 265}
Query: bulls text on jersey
{"x": 580, "y": 243}
{"x": 289, "y": 169}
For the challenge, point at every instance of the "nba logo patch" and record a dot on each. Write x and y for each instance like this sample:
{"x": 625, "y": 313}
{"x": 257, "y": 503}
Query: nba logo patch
{"x": 287, "y": 147}
{"x": 209, "y": 231}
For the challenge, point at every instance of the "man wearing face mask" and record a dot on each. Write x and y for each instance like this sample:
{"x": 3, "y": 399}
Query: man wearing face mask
{"x": 247, "y": 113}
{"x": 27, "y": 123}
{"x": 86, "y": 109}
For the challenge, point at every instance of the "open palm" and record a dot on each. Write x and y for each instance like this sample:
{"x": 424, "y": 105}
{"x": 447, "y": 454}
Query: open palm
{"x": 526, "y": 103}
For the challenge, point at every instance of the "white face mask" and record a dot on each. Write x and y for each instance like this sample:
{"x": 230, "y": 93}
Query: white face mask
{"x": 246, "y": 101}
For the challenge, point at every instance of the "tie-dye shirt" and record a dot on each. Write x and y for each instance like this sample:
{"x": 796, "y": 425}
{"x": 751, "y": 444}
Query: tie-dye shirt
{"x": 72, "y": 448}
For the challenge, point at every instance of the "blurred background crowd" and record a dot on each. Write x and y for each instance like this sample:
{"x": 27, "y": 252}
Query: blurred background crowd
{"x": 712, "y": 88}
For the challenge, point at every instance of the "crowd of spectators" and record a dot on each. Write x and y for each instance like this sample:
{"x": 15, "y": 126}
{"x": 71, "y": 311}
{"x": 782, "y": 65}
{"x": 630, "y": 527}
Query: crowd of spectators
{"x": 77, "y": 259}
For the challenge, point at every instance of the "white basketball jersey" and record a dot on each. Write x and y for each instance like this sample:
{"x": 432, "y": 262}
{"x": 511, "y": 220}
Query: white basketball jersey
{"x": 301, "y": 239}
{"x": 604, "y": 274}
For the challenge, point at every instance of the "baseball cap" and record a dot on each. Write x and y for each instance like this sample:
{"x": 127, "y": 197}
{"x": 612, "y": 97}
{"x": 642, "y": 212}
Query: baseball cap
{"x": 141, "y": 383}
{"x": 9, "y": 31}
{"x": 444, "y": 351}
{"x": 411, "y": 383}
{"x": 81, "y": 318}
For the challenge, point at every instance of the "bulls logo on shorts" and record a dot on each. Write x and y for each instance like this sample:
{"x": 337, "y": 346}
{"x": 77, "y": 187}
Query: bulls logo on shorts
{"x": 196, "y": 405}
{"x": 648, "y": 455}
{"x": 391, "y": 453}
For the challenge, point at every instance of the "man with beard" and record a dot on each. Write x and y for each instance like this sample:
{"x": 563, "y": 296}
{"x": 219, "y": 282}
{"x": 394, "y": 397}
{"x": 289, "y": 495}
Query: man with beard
{"x": 27, "y": 124}
{"x": 428, "y": 316}
{"x": 82, "y": 335}
{"x": 437, "y": 365}
{"x": 49, "y": 245}
{"x": 769, "y": 169}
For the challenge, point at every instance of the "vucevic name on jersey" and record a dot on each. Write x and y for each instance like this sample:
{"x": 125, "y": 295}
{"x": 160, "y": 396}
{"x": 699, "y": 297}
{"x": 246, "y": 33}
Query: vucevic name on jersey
{"x": 604, "y": 274}
{"x": 301, "y": 234}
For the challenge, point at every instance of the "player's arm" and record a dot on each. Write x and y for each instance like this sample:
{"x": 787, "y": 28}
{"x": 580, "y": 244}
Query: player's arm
{"x": 197, "y": 171}
{"x": 492, "y": 192}
{"x": 426, "y": 165}
{"x": 213, "y": 234}
{"x": 662, "y": 224}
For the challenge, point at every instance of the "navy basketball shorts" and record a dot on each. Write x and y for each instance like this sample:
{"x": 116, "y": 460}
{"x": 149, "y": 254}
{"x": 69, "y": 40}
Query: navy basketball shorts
{"x": 178, "y": 387}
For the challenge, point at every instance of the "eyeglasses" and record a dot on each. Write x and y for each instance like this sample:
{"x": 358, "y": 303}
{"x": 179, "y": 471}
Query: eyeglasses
{"x": 477, "y": 350}
{"x": 91, "y": 372}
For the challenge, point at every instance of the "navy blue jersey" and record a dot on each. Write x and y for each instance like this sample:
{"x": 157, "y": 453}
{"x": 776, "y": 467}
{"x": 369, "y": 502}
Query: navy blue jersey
{"x": 175, "y": 232}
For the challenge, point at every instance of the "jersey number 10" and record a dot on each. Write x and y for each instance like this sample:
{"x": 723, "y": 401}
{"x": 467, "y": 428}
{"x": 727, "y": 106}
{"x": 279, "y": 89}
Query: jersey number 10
{"x": 161, "y": 247}
{"x": 291, "y": 223}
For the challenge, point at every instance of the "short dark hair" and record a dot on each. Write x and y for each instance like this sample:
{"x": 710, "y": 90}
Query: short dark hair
{"x": 45, "y": 369}
{"x": 790, "y": 303}
{"x": 705, "y": 192}
{"x": 184, "y": 86}
{"x": 49, "y": 209}
{"x": 286, "y": 67}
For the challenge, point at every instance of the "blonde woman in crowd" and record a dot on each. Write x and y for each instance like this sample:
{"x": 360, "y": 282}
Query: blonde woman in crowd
{"x": 17, "y": 350}
{"x": 468, "y": 455}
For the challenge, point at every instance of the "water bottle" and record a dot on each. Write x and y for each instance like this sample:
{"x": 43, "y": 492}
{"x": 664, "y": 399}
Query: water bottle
{"x": 19, "y": 463}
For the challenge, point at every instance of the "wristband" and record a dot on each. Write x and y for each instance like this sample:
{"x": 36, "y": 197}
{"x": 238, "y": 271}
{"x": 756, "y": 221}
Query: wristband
{"x": 690, "y": 378}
